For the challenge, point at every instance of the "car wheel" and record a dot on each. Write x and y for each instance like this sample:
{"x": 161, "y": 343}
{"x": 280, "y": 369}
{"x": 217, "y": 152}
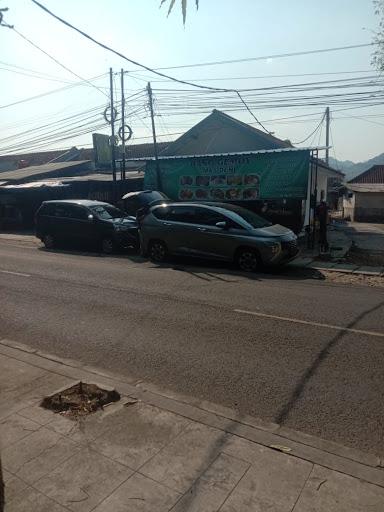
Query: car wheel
{"x": 157, "y": 251}
{"x": 248, "y": 260}
{"x": 107, "y": 245}
{"x": 48, "y": 241}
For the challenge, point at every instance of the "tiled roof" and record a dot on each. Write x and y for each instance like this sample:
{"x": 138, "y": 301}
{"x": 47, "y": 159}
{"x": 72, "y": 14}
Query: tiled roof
{"x": 374, "y": 175}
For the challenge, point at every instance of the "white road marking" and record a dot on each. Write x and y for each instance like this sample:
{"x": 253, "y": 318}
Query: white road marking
{"x": 307, "y": 322}
{"x": 15, "y": 273}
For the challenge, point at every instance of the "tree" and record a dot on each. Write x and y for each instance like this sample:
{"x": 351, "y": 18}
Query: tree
{"x": 183, "y": 6}
{"x": 378, "y": 54}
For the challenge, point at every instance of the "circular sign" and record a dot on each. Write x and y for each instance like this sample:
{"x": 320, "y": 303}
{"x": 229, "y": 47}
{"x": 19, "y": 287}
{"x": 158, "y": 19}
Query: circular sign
{"x": 127, "y": 132}
{"x": 110, "y": 115}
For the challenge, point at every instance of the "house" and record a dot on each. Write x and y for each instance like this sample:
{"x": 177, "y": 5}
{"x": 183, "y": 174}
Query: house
{"x": 221, "y": 134}
{"x": 365, "y": 199}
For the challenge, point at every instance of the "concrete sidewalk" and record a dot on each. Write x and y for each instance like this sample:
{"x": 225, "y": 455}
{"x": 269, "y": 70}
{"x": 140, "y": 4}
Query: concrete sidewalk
{"x": 155, "y": 451}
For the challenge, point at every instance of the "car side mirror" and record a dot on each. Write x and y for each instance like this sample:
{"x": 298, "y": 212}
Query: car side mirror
{"x": 91, "y": 218}
{"x": 222, "y": 225}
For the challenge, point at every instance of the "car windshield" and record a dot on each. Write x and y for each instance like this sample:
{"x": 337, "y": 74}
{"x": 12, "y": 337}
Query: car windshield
{"x": 252, "y": 218}
{"x": 107, "y": 212}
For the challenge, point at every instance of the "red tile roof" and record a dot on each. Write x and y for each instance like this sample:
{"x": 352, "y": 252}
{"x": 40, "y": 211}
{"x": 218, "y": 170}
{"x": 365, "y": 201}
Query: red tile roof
{"x": 374, "y": 175}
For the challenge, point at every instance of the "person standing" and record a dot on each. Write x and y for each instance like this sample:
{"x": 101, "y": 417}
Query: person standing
{"x": 322, "y": 216}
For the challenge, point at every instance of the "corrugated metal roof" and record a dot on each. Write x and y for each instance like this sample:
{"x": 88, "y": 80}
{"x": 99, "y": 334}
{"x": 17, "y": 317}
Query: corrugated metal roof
{"x": 42, "y": 170}
{"x": 257, "y": 152}
{"x": 374, "y": 175}
{"x": 366, "y": 187}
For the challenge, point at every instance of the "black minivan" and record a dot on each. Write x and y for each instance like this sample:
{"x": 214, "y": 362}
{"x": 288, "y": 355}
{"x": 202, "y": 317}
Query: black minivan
{"x": 87, "y": 222}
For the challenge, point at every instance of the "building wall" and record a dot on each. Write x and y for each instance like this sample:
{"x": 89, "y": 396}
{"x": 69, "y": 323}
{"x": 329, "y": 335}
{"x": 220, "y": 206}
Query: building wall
{"x": 349, "y": 206}
{"x": 369, "y": 207}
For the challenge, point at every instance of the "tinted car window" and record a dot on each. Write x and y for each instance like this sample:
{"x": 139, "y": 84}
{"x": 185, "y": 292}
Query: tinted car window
{"x": 62, "y": 210}
{"x": 208, "y": 217}
{"x": 107, "y": 212}
{"x": 47, "y": 209}
{"x": 77, "y": 212}
{"x": 162, "y": 212}
{"x": 185, "y": 214}
{"x": 252, "y": 218}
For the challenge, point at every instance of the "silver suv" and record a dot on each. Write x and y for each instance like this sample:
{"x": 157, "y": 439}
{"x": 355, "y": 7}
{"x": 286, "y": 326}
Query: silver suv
{"x": 217, "y": 231}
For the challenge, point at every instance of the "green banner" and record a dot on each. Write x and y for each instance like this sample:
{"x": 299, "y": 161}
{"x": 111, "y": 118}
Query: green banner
{"x": 232, "y": 178}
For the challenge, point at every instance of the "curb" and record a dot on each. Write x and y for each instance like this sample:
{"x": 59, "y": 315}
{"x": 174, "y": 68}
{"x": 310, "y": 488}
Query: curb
{"x": 350, "y": 461}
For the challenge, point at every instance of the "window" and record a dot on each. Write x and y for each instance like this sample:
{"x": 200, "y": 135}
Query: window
{"x": 107, "y": 212}
{"x": 77, "y": 212}
{"x": 208, "y": 217}
{"x": 61, "y": 210}
{"x": 162, "y": 212}
{"x": 185, "y": 214}
{"x": 47, "y": 209}
{"x": 243, "y": 214}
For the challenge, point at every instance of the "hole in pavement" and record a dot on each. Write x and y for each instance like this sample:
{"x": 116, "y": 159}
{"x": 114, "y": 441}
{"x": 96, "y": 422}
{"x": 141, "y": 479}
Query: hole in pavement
{"x": 79, "y": 400}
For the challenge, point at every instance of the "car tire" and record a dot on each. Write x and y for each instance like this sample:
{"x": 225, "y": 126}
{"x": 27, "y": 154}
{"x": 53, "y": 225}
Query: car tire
{"x": 48, "y": 241}
{"x": 157, "y": 251}
{"x": 247, "y": 260}
{"x": 107, "y": 245}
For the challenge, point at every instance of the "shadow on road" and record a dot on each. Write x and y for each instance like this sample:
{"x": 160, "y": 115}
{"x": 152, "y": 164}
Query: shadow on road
{"x": 205, "y": 270}
{"x": 311, "y": 371}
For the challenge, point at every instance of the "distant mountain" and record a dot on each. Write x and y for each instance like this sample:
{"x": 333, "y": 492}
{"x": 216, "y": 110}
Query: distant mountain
{"x": 352, "y": 169}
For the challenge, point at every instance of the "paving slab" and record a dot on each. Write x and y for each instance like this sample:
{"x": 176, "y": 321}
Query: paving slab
{"x": 31, "y": 500}
{"x": 273, "y": 482}
{"x": 38, "y": 414}
{"x": 374, "y": 271}
{"x": 321, "y": 264}
{"x": 13, "y": 487}
{"x": 330, "y": 491}
{"x": 187, "y": 457}
{"x": 14, "y": 374}
{"x": 137, "y": 433}
{"x": 83, "y": 481}
{"x": 140, "y": 494}
{"x": 37, "y": 454}
{"x": 213, "y": 487}
{"x": 344, "y": 267}
{"x": 14, "y": 428}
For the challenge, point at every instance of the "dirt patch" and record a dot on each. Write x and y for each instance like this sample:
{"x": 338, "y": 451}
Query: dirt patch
{"x": 360, "y": 279}
{"x": 80, "y": 400}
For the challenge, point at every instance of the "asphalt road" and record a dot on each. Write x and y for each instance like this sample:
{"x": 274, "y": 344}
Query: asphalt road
{"x": 288, "y": 348}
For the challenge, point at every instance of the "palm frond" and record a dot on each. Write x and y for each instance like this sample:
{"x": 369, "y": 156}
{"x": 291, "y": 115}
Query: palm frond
{"x": 184, "y": 9}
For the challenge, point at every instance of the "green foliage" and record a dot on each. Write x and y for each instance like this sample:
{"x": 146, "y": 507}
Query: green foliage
{"x": 378, "y": 54}
{"x": 183, "y": 7}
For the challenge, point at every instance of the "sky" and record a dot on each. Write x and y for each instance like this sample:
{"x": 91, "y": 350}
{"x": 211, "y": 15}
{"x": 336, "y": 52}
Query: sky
{"x": 219, "y": 30}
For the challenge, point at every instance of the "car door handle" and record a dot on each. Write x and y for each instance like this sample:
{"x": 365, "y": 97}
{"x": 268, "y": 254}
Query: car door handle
{"x": 167, "y": 224}
{"x": 202, "y": 229}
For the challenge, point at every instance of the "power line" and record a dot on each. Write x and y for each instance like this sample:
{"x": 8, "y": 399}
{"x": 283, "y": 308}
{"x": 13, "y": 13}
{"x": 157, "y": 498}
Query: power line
{"x": 57, "y": 61}
{"x": 264, "y": 57}
{"x": 157, "y": 72}
{"x": 42, "y": 95}
{"x": 259, "y": 77}
{"x": 252, "y": 114}
{"x": 312, "y": 133}
{"x": 106, "y": 47}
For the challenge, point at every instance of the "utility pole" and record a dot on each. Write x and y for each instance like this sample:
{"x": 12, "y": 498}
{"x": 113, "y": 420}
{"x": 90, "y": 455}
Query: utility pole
{"x": 113, "y": 152}
{"x": 327, "y": 124}
{"x": 158, "y": 176}
{"x": 122, "y": 124}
